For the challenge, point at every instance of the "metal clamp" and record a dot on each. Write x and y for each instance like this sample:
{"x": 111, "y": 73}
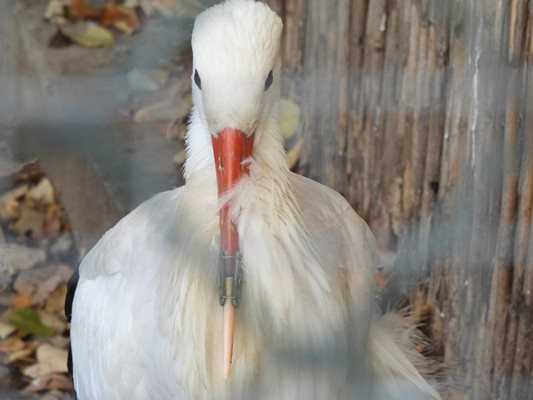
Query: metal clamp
{"x": 230, "y": 284}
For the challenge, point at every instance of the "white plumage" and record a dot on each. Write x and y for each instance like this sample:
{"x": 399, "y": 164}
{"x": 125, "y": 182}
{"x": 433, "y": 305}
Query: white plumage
{"x": 146, "y": 323}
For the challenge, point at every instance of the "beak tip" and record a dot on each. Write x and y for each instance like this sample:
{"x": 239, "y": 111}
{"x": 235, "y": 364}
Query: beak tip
{"x": 229, "y": 315}
{"x": 226, "y": 372}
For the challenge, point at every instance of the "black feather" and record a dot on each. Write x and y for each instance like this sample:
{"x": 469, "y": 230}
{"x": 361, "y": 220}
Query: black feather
{"x": 197, "y": 80}
{"x": 71, "y": 290}
{"x": 269, "y": 80}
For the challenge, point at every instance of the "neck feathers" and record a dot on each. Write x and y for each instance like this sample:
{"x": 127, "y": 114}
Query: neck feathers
{"x": 269, "y": 160}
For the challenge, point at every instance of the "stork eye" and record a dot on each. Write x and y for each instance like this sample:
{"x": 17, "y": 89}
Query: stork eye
{"x": 269, "y": 80}
{"x": 197, "y": 80}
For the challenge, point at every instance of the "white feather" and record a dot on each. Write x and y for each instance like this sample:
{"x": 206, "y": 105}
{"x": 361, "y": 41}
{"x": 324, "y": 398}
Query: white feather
{"x": 146, "y": 322}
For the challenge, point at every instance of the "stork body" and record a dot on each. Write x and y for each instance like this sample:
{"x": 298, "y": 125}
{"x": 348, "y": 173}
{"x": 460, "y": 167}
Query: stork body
{"x": 146, "y": 323}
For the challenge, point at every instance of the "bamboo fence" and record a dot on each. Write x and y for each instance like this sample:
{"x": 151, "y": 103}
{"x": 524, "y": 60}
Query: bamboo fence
{"x": 421, "y": 113}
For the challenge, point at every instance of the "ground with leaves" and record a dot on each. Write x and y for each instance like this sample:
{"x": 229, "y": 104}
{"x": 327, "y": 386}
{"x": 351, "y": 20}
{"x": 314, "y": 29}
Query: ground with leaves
{"x": 37, "y": 259}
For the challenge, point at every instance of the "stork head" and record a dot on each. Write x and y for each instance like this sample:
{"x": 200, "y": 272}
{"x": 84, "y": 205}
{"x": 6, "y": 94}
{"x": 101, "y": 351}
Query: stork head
{"x": 236, "y": 65}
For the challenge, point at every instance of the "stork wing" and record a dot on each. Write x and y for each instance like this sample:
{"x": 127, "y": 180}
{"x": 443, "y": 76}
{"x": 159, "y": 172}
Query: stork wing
{"x": 340, "y": 232}
{"x": 120, "y": 303}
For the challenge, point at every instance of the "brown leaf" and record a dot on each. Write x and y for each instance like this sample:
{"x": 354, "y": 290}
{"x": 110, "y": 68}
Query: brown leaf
{"x": 50, "y": 359}
{"x": 23, "y": 285}
{"x": 10, "y": 204}
{"x": 25, "y": 353}
{"x": 51, "y": 227}
{"x": 52, "y": 381}
{"x": 19, "y": 300}
{"x": 46, "y": 289}
{"x": 58, "y": 341}
{"x": 80, "y": 10}
{"x": 60, "y": 382}
{"x": 43, "y": 192}
{"x": 55, "y": 395}
{"x": 56, "y": 300}
{"x": 59, "y": 325}
{"x": 30, "y": 221}
{"x": 11, "y": 344}
{"x": 6, "y": 329}
{"x": 123, "y": 19}
{"x": 54, "y": 11}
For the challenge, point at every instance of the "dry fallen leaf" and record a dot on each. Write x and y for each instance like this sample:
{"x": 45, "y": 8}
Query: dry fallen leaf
{"x": 53, "y": 381}
{"x": 58, "y": 341}
{"x": 56, "y": 301}
{"x": 80, "y": 10}
{"x": 39, "y": 283}
{"x": 50, "y": 360}
{"x": 50, "y": 228}
{"x": 45, "y": 289}
{"x": 93, "y": 36}
{"x": 55, "y": 395}
{"x": 6, "y": 330}
{"x": 25, "y": 353}
{"x": 56, "y": 12}
{"x": 122, "y": 18}
{"x": 9, "y": 203}
{"x": 24, "y": 286}
{"x": 30, "y": 220}
{"x": 43, "y": 193}
{"x": 51, "y": 320}
{"x": 19, "y": 300}
{"x": 54, "y": 9}
{"x": 12, "y": 344}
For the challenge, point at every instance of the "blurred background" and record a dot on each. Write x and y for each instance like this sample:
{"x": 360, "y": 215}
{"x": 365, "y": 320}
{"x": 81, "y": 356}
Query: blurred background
{"x": 420, "y": 112}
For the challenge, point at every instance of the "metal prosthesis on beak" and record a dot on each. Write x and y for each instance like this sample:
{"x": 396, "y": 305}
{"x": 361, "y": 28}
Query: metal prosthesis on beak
{"x": 231, "y": 271}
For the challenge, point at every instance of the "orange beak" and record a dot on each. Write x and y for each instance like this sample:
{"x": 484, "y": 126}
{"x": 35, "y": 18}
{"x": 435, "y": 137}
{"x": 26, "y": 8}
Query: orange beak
{"x": 231, "y": 147}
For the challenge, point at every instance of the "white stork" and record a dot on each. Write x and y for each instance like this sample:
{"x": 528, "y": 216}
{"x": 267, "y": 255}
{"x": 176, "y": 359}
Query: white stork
{"x": 288, "y": 258}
